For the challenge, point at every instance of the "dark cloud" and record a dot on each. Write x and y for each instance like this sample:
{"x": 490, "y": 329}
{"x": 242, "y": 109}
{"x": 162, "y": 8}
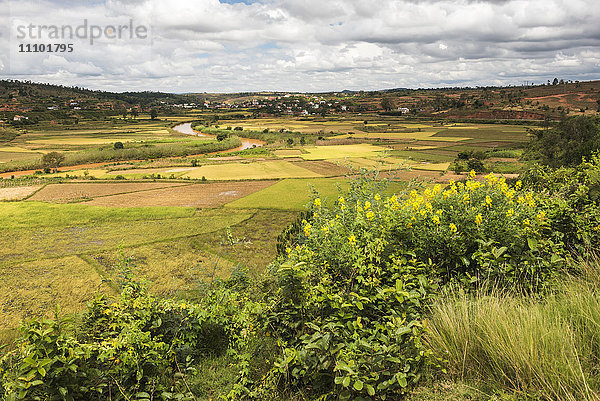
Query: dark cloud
{"x": 315, "y": 44}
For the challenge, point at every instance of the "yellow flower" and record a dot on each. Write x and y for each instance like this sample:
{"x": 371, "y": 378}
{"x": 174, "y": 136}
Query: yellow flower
{"x": 307, "y": 229}
{"x": 377, "y": 197}
{"x": 519, "y": 184}
{"x": 541, "y": 215}
{"x": 352, "y": 239}
{"x": 453, "y": 227}
{"x": 491, "y": 179}
{"x": 478, "y": 219}
{"x": 531, "y": 203}
{"x": 341, "y": 200}
{"x": 472, "y": 174}
{"x": 526, "y": 222}
{"x": 510, "y": 212}
{"x": 370, "y": 215}
{"x": 367, "y": 205}
{"x": 318, "y": 202}
{"x": 466, "y": 198}
{"x": 488, "y": 201}
{"x": 436, "y": 219}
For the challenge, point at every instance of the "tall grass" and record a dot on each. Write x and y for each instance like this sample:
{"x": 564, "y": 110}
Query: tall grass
{"x": 549, "y": 348}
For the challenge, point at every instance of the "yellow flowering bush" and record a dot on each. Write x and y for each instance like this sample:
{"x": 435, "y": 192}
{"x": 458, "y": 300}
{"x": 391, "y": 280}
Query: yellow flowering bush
{"x": 479, "y": 230}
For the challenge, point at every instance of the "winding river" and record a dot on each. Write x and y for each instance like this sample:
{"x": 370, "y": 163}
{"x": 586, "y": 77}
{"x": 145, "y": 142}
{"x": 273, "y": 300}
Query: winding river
{"x": 185, "y": 128}
{"x": 247, "y": 143}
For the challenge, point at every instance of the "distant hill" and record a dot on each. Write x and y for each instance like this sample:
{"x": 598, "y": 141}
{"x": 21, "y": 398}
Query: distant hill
{"x": 554, "y": 100}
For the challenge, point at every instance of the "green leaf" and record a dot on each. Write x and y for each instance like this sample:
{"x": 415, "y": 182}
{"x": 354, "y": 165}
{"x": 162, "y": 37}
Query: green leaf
{"x": 533, "y": 243}
{"x": 346, "y": 381}
{"x": 36, "y": 383}
{"x": 358, "y": 385}
{"x": 497, "y": 252}
{"x": 30, "y": 361}
{"x": 370, "y": 390}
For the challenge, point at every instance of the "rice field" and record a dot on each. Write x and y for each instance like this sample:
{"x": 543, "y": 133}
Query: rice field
{"x": 196, "y": 195}
{"x": 69, "y": 192}
{"x": 250, "y": 171}
{"x": 36, "y": 288}
{"x": 342, "y": 151}
{"x": 17, "y": 193}
{"x": 290, "y": 194}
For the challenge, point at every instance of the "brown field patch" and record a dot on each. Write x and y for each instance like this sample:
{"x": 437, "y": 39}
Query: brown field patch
{"x": 325, "y": 168}
{"x": 17, "y": 193}
{"x": 195, "y": 195}
{"x": 502, "y": 159}
{"x": 408, "y": 175}
{"x": 82, "y": 190}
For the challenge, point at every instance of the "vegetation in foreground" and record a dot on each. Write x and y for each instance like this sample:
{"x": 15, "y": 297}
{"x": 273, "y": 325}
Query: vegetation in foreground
{"x": 343, "y": 313}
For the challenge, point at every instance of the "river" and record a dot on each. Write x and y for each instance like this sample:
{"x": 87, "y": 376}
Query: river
{"x": 247, "y": 143}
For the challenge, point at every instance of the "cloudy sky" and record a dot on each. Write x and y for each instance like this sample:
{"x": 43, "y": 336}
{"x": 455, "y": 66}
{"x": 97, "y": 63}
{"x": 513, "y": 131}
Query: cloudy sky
{"x": 299, "y": 45}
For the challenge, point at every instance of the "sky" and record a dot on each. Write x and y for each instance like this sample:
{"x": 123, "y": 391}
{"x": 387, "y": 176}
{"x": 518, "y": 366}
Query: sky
{"x": 186, "y": 46}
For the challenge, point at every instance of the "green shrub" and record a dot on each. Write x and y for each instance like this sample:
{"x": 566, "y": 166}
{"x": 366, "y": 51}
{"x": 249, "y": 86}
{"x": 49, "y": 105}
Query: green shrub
{"x": 351, "y": 293}
{"x": 139, "y": 347}
{"x": 572, "y": 196}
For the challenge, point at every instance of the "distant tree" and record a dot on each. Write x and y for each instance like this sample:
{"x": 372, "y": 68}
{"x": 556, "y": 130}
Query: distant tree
{"x": 464, "y": 155}
{"x": 566, "y": 144}
{"x": 387, "y": 103}
{"x": 221, "y": 136}
{"x": 555, "y": 81}
{"x": 134, "y": 113}
{"x": 302, "y": 141}
{"x": 153, "y": 114}
{"x": 290, "y": 141}
{"x": 52, "y": 160}
{"x": 476, "y": 164}
{"x": 118, "y": 145}
{"x": 124, "y": 114}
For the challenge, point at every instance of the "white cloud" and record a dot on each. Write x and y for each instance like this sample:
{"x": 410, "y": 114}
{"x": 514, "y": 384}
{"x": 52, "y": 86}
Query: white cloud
{"x": 311, "y": 45}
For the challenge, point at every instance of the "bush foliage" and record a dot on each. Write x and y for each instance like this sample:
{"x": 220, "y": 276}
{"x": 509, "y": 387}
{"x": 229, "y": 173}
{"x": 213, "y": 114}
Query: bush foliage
{"x": 341, "y": 314}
